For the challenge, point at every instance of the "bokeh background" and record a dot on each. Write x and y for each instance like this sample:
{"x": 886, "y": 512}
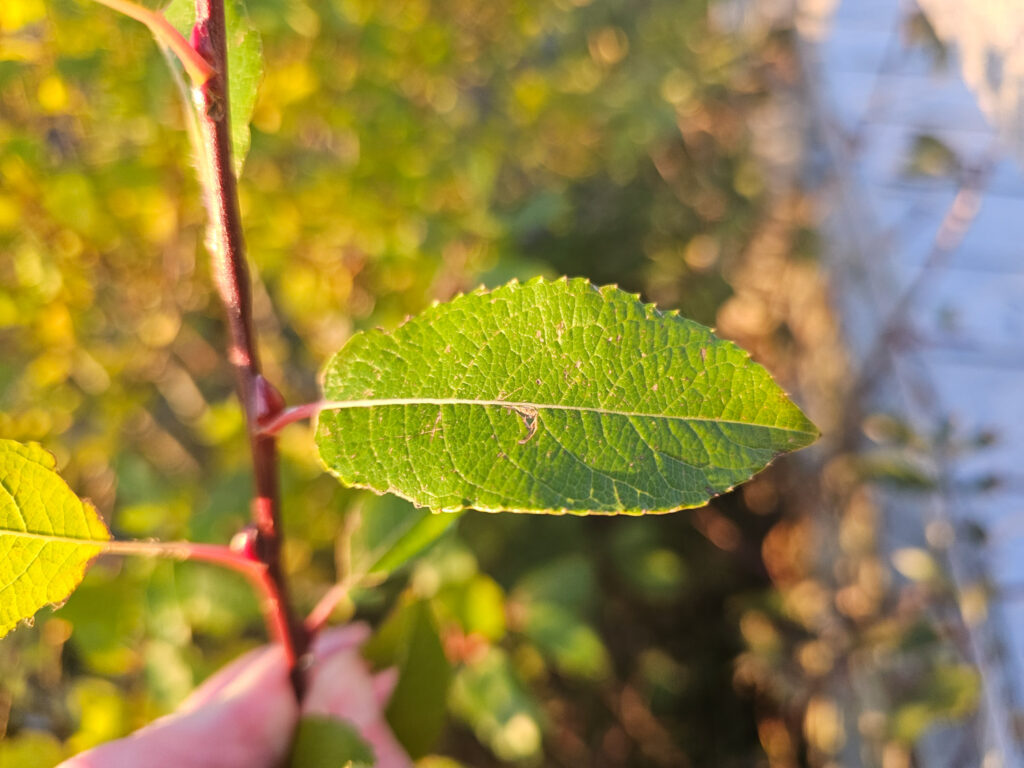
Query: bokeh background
{"x": 402, "y": 152}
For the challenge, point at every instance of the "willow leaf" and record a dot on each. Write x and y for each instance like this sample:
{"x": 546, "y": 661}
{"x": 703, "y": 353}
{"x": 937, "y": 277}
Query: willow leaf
{"x": 48, "y": 535}
{"x": 552, "y": 397}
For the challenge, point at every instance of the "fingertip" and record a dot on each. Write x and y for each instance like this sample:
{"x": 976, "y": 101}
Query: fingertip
{"x": 338, "y": 639}
{"x": 384, "y": 685}
{"x": 215, "y": 685}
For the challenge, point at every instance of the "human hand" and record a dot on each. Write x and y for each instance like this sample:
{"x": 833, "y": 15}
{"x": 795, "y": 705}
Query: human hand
{"x": 245, "y": 715}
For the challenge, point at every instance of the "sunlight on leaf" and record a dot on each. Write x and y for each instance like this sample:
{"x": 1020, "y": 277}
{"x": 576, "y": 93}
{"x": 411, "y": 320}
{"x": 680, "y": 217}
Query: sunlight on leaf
{"x": 47, "y": 534}
{"x": 552, "y": 397}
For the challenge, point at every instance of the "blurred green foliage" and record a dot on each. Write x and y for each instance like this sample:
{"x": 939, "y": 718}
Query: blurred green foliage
{"x": 323, "y": 742}
{"x": 401, "y": 151}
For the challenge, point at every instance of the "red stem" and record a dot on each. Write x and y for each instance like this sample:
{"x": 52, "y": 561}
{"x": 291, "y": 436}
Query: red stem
{"x": 223, "y": 556}
{"x": 199, "y": 70}
{"x": 288, "y": 416}
{"x": 245, "y": 563}
{"x": 231, "y": 274}
{"x": 321, "y": 612}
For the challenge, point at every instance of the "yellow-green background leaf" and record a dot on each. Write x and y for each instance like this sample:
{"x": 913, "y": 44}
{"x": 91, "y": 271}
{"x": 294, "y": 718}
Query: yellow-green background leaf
{"x": 47, "y": 534}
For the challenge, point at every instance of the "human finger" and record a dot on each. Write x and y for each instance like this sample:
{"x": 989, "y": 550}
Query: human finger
{"x": 249, "y": 722}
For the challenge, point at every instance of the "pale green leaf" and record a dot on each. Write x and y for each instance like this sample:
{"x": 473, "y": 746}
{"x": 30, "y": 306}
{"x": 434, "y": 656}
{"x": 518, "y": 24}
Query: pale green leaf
{"x": 489, "y": 696}
{"x": 31, "y": 749}
{"x": 574, "y": 646}
{"x": 391, "y": 532}
{"x": 47, "y": 534}
{"x": 326, "y": 742}
{"x": 552, "y": 397}
{"x": 245, "y": 66}
{"x": 553, "y": 605}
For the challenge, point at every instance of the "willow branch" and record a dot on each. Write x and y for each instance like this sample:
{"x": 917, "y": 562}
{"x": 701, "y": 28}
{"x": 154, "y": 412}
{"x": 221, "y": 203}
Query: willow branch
{"x": 226, "y": 245}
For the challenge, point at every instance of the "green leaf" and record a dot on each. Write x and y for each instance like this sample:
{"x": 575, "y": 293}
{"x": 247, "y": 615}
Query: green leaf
{"x": 552, "y": 397}
{"x": 477, "y": 605}
{"x": 48, "y": 535}
{"x": 31, "y": 749}
{"x": 573, "y": 646}
{"x": 489, "y": 697}
{"x": 410, "y": 641}
{"x": 552, "y": 605}
{"x": 326, "y": 742}
{"x": 569, "y": 582}
{"x": 949, "y": 693}
{"x": 245, "y": 66}
{"x": 391, "y": 532}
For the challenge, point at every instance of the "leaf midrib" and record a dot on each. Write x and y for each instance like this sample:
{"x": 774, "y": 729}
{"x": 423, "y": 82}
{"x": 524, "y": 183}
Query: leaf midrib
{"x": 339, "y": 405}
{"x": 54, "y": 538}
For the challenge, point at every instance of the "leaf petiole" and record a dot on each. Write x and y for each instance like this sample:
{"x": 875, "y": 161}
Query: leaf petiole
{"x": 198, "y": 68}
{"x": 254, "y": 569}
{"x": 187, "y": 550}
{"x": 282, "y": 419}
{"x": 321, "y": 613}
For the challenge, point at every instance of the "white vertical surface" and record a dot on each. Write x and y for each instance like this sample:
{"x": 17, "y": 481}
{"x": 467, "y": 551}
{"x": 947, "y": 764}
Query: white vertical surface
{"x": 953, "y": 283}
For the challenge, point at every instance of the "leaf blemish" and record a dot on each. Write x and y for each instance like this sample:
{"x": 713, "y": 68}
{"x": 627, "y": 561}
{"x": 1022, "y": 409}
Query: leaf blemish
{"x": 437, "y": 426}
{"x": 529, "y": 416}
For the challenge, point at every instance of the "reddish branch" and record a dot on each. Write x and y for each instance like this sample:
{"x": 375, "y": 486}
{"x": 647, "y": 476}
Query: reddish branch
{"x": 227, "y": 557}
{"x": 231, "y": 274}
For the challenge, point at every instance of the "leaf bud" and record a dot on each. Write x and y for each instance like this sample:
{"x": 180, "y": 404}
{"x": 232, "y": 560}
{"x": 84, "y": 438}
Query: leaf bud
{"x": 266, "y": 400}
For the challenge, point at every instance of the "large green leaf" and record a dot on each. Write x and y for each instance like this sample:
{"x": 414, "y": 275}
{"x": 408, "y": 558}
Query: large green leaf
{"x": 47, "y": 534}
{"x": 552, "y": 397}
{"x": 245, "y": 66}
